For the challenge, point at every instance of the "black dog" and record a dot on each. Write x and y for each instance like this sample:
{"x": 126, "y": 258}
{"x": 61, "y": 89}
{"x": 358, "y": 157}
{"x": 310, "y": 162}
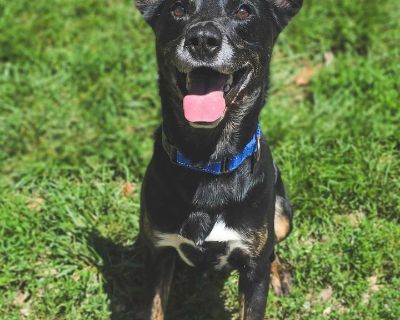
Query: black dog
{"x": 212, "y": 194}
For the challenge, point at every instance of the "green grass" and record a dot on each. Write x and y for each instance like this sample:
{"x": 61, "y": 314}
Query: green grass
{"x": 78, "y": 104}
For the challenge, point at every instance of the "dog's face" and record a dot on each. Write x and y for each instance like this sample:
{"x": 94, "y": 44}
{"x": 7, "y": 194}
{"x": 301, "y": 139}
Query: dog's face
{"x": 214, "y": 55}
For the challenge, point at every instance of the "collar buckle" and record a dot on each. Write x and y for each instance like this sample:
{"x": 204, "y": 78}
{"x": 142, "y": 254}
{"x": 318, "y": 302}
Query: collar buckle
{"x": 224, "y": 165}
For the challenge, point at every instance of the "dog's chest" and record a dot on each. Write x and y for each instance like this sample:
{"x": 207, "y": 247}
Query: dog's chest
{"x": 219, "y": 249}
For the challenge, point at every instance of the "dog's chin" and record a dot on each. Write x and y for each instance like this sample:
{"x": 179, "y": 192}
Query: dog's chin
{"x": 201, "y": 82}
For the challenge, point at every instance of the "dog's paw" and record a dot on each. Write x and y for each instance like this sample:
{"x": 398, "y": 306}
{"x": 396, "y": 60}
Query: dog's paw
{"x": 281, "y": 278}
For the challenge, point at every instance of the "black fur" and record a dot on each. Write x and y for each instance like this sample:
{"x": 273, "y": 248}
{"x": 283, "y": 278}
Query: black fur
{"x": 176, "y": 200}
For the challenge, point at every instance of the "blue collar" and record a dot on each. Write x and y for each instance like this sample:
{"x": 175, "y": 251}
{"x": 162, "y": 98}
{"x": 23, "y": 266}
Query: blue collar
{"x": 230, "y": 164}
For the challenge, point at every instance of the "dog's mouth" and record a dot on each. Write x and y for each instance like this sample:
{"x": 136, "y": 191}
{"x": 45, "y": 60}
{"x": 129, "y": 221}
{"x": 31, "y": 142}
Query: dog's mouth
{"x": 207, "y": 94}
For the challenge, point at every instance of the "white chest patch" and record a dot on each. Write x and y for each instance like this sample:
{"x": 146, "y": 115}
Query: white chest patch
{"x": 219, "y": 233}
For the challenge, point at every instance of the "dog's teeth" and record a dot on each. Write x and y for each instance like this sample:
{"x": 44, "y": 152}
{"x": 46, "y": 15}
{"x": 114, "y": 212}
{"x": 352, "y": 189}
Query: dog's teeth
{"x": 227, "y": 87}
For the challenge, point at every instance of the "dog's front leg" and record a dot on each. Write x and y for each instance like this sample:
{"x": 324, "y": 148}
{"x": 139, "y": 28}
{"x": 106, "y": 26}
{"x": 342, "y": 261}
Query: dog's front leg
{"x": 159, "y": 268}
{"x": 253, "y": 289}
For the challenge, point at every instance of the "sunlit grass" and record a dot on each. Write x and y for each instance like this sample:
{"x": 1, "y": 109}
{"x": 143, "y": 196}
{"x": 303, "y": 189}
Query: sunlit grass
{"x": 79, "y": 103}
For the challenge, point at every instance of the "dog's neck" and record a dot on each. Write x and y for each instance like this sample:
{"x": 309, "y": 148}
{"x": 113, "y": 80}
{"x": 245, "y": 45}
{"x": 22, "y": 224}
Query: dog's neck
{"x": 226, "y": 140}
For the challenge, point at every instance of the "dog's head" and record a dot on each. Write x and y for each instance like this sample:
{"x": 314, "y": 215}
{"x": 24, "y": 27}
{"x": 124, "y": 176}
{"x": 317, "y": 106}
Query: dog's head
{"x": 213, "y": 55}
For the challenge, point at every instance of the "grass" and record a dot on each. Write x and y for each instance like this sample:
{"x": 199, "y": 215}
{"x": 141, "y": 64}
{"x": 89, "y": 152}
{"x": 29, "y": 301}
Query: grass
{"x": 78, "y": 104}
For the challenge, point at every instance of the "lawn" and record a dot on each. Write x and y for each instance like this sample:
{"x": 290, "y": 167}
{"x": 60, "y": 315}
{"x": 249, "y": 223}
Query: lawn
{"x": 78, "y": 105}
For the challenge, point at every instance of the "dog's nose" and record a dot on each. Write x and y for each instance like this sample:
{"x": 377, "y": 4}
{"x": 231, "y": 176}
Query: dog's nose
{"x": 203, "y": 40}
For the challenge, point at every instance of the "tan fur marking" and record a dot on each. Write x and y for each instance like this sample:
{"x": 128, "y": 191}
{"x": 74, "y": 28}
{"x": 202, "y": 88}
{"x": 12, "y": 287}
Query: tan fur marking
{"x": 281, "y": 279}
{"x": 258, "y": 240}
{"x": 160, "y": 299}
{"x": 282, "y": 227}
{"x": 282, "y": 224}
{"x": 242, "y": 307}
{"x": 157, "y": 312}
{"x": 275, "y": 277}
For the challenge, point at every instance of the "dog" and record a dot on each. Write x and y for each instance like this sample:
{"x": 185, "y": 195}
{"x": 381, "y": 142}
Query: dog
{"x": 212, "y": 195}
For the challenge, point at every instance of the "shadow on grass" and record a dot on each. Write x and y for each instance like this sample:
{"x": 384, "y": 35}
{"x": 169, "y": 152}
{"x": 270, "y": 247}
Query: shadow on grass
{"x": 194, "y": 296}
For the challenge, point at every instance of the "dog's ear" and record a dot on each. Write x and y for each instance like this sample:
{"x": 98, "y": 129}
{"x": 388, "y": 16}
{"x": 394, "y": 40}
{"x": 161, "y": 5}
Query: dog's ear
{"x": 284, "y": 10}
{"x": 149, "y": 8}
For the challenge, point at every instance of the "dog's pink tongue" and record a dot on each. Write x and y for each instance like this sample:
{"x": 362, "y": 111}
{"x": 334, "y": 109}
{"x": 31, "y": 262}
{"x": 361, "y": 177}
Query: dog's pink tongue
{"x": 204, "y": 108}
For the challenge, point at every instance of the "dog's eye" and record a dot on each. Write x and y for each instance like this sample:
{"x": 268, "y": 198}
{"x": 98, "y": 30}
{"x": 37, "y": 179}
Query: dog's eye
{"x": 178, "y": 10}
{"x": 244, "y": 11}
